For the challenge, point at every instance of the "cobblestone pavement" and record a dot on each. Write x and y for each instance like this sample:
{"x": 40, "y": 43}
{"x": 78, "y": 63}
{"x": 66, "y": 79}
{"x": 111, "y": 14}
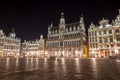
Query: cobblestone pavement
{"x": 59, "y": 69}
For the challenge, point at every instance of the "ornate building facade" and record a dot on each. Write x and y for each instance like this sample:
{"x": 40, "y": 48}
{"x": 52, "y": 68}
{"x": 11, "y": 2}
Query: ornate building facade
{"x": 66, "y": 40}
{"x": 104, "y": 40}
{"x": 33, "y": 48}
{"x": 9, "y": 45}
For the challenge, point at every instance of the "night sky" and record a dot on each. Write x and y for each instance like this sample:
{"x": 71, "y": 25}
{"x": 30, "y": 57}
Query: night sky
{"x": 31, "y": 18}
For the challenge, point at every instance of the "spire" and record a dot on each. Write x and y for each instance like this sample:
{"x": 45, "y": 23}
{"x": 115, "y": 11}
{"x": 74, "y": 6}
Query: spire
{"x": 103, "y": 18}
{"x": 41, "y": 36}
{"x": 81, "y": 19}
{"x": 1, "y": 31}
{"x": 91, "y": 24}
{"x": 62, "y": 20}
{"x": 82, "y": 22}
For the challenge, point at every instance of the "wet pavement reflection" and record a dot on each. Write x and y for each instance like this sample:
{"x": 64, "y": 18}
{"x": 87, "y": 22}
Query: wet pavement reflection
{"x": 59, "y": 69}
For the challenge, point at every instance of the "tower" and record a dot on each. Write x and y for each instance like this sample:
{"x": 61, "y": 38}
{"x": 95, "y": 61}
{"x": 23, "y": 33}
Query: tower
{"x": 82, "y": 25}
{"x": 62, "y": 23}
{"x": 62, "y": 20}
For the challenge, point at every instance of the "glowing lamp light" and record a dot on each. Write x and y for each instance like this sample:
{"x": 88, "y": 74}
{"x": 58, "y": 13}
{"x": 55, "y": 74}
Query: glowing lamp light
{"x": 76, "y": 51}
{"x": 63, "y": 52}
{"x": 85, "y": 55}
{"x": 116, "y": 51}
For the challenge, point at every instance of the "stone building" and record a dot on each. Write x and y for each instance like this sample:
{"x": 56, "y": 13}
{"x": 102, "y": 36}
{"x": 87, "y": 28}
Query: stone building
{"x": 66, "y": 40}
{"x": 9, "y": 45}
{"x": 104, "y": 40}
{"x": 33, "y": 48}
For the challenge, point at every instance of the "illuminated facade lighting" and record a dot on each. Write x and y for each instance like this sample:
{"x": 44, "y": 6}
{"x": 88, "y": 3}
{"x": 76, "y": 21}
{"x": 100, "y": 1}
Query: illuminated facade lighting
{"x": 9, "y": 45}
{"x": 66, "y": 40}
{"x": 104, "y": 40}
{"x": 33, "y": 48}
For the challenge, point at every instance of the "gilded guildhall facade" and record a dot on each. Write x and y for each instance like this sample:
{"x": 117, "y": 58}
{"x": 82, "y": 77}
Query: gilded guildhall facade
{"x": 33, "y": 48}
{"x": 9, "y": 45}
{"x": 104, "y": 40}
{"x": 66, "y": 40}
